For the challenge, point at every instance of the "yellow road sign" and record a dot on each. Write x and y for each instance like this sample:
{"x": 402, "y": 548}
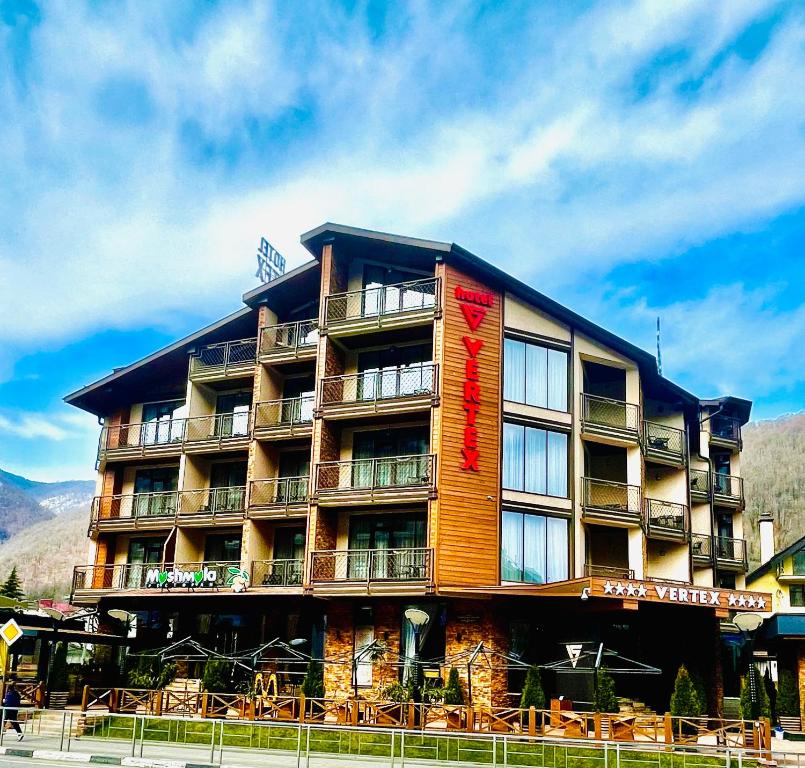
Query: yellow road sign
{"x": 10, "y": 632}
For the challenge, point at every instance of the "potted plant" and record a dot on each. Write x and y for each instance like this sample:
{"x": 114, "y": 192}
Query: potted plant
{"x": 685, "y": 705}
{"x": 396, "y": 696}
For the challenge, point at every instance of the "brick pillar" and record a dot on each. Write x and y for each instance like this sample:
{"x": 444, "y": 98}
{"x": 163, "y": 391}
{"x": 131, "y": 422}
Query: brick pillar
{"x": 338, "y": 645}
{"x": 387, "y": 631}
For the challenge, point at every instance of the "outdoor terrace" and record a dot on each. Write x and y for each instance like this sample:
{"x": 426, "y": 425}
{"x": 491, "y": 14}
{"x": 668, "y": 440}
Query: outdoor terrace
{"x": 725, "y": 431}
{"x": 225, "y": 360}
{"x": 663, "y": 444}
{"x": 288, "y": 342}
{"x": 289, "y": 417}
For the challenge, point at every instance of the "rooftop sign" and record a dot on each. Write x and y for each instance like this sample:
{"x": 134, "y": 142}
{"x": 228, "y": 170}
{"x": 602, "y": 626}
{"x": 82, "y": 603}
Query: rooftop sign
{"x": 270, "y": 262}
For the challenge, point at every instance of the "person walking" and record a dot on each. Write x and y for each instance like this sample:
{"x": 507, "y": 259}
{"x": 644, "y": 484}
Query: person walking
{"x": 11, "y": 705}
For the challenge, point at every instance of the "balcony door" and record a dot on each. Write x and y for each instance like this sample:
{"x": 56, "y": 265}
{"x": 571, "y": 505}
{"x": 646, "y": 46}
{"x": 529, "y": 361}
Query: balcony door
{"x": 726, "y": 545}
{"x": 721, "y": 480}
{"x": 222, "y": 548}
{"x": 383, "y": 295}
{"x": 375, "y": 465}
{"x": 159, "y": 424}
{"x": 380, "y": 546}
{"x": 289, "y": 550}
{"x": 395, "y": 372}
{"x": 294, "y": 465}
{"x": 233, "y": 408}
{"x": 142, "y": 554}
{"x": 298, "y": 396}
{"x": 158, "y": 480}
{"x": 227, "y": 486}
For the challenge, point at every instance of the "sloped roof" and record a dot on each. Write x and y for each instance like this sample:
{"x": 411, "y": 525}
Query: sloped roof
{"x": 778, "y": 558}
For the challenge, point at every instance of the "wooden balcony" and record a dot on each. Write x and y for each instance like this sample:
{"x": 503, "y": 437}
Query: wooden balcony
{"x": 728, "y": 490}
{"x": 217, "y": 432}
{"x": 663, "y": 444}
{"x": 611, "y": 503}
{"x": 725, "y": 431}
{"x": 288, "y": 342}
{"x": 386, "y": 480}
{"x": 605, "y": 420}
{"x": 279, "y": 497}
{"x": 226, "y": 360}
{"x": 402, "y": 305}
{"x": 393, "y": 390}
{"x": 372, "y": 571}
{"x": 291, "y": 417}
{"x": 665, "y": 520}
{"x": 699, "y": 484}
{"x": 91, "y": 582}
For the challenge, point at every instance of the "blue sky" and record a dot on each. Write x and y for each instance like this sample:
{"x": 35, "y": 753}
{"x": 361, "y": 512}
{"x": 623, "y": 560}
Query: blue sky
{"x": 629, "y": 159}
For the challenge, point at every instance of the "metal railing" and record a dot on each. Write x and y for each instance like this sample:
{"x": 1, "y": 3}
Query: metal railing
{"x": 700, "y": 482}
{"x": 288, "y": 338}
{"x": 276, "y": 573}
{"x": 665, "y": 516}
{"x": 279, "y": 491}
{"x": 212, "y": 501}
{"x": 382, "y": 301}
{"x": 604, "y": 413}
{"x": 135, "y": 506}
{"x": 210, "y": 574}
{"x": 728, "y": 485}
{"x": 142, "y": 435}
{"x": 218, "y": 427}
{"x": 387, "y": 384}
{"x": 369, "y": 565}
{"x": 415, "y": 471}
{"x": 224, "y": 355}
{"x": 730, "y": 549}
{"x": 663, "y": 441}
{"x": 701, "y": 546}
{"x": 608, "y": 571}
{"x": 287, "y": 412}
{"x": 609, "y": 497}
{"x": 725, "y": 428}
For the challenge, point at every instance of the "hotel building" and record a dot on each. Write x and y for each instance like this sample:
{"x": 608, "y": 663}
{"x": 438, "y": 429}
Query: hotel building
{"x": 398, "y": 423}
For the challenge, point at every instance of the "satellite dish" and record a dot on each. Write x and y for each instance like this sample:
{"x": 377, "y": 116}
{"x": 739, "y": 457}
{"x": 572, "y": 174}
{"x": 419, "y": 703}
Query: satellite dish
{"x": 747, "y": 622}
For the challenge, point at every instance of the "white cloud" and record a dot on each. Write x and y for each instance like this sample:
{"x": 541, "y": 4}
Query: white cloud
{"x": 48, "y": 426}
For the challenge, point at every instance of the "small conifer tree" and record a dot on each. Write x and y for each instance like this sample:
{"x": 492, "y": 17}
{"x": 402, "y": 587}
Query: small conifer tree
{"x": 12, "y": 587}
{"x": 452, "y": 691}
{"x": 605, "y": 698}
{"x": 761, "y": 707}
{"x": 313, "y": 684}
{"x": 533, "y": 694}
{"x": 787, "y": 695}
{"x": 684, "y": 700}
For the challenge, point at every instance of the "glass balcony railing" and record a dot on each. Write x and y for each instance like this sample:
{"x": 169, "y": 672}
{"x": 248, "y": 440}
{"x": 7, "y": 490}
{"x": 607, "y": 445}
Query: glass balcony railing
{"x": 371, "y": 565}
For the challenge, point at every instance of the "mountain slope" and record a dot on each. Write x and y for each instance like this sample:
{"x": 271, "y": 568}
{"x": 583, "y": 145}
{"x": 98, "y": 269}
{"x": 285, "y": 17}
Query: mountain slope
{"x": 774, "y": 479}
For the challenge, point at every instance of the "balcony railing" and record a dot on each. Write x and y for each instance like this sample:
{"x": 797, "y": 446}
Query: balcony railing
{"x": 208, "y": 575}
{"x": 701, "y": 547}
{"x": 276, "y": 573}
{"x": 213, "y": 501}
{"x": 218, "y": 427}
{"x": 606, "y": 416}
{"x": 369, "y": 387}
{"x": 284, "y": 415}
{"x": 730, "y": 551}
{"x": 143, "y": 437}
{"x": 223, "y": 358}
{"x": 792, "y": 570}
{"x": 699, "y": 484}
{"x": 727, "y": 489}
{"x": 611, "y": 500}
{"x": 725, "y": 429}
{"x": 371, "y": 565}
{"x": 665, "y": 519}
{"x": 278, "y": 492}
{"x": 608, "y": 571}
{"x": 289, "y": 340}
{"x": 417, "y": 296}
{"x": 663, "y": 443}
{"x": 135, "y": 506}
{"x": 392, "y": 472}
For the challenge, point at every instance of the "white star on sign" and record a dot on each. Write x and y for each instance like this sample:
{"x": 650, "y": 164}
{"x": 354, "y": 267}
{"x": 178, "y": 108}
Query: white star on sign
{"x": 608, "y": 588}
{"x": 619, "y": 589}
{"x": 642, "y": 591}
{"x": 630, "y": 590}
{"x": 742, "y": 601}
{"x": 751, "y": 601}
{"x": 731, "y": 599}
{"x": 761, "y": 602}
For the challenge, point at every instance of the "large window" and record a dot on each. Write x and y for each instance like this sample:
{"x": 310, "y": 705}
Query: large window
{"x": 534, "y": 460}
{"x": 534, "y": 375}
{"x": 533, "y": 548}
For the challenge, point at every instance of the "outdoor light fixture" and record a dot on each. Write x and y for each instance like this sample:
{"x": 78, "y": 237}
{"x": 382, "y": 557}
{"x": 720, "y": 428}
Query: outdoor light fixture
{"x": 297, "y": 641}
{"x": 119, "y": 614}
{"x": 585, "y": 593}
{"x": 417, "y": 617}
{"x": 747, "y": 622}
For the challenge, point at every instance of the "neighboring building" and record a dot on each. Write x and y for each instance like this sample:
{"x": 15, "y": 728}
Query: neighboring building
{"x": 782, "y": 637}
{"x": 398, "y": 423}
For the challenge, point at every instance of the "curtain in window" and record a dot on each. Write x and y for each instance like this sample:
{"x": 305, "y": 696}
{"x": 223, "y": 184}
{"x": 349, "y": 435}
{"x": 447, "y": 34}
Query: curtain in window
{"x": 557, "y": 555}
{"x": 512, "y": 546}
{"x": 536, "y": 375}
{"x": 557, "y": 464}
{"x": 534, "y": 549}
{"x": 557, "y": 380}
{"x": 514, "y": 371}
{"x": 535, "y": 461}
{"x": 513, "y": 437}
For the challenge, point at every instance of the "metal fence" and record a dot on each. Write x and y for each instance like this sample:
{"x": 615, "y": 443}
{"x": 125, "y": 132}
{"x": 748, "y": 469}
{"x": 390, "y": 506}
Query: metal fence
{"x": 384, "y": 300}
{"x": 288, "y": 339}
{"x": 663, "y": 441}
{"x": 244, "y": 742}
{"x": 699, "y": 482}
{"x": 665, "y": 516}
{"x": 408, "y": 564}
{"x": 278, "y": 492}
{"x": 286, "y": 412}
{"x": 378, "y": 473}
{"x": 277, "y": 573}
{"x": 386, "y": 384}
{"x": 612, "y": 498}
{"x": 224, "y": 355}
{"x": 608, "y": 414}
{"x": 725, "y": 428}
{"x": 728, "y": 485}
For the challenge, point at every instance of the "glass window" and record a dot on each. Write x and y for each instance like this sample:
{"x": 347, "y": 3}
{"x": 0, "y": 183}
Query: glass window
{"x": 534, "y": 375}
{"x": 534, "y": 460}
{"x": 797, "y": 595}
{"x": 534, "y": 548}
{"x": 799, "y": 563}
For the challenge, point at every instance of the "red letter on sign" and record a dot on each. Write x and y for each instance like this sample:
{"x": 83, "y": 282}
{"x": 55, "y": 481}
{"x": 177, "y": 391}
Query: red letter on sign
{"x": 471, "y": 456}
{"x": 471, "y": 370}
{"x": 474, "y": 346}
{"x": 472, "y": 392}
{"x": 471, "y": 437}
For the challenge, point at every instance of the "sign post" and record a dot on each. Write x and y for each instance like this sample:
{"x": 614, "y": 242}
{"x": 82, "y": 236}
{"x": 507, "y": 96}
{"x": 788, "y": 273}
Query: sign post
{"x": 10, "y": 632}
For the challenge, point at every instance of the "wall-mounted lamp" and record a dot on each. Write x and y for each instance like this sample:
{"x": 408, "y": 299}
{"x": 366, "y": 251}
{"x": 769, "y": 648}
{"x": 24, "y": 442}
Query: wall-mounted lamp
{"x": 585, "y": 593}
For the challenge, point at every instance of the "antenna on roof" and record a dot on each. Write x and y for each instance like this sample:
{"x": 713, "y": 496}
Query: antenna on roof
{"x": 659, "y": 348}
{"x": 270, "y": 262}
